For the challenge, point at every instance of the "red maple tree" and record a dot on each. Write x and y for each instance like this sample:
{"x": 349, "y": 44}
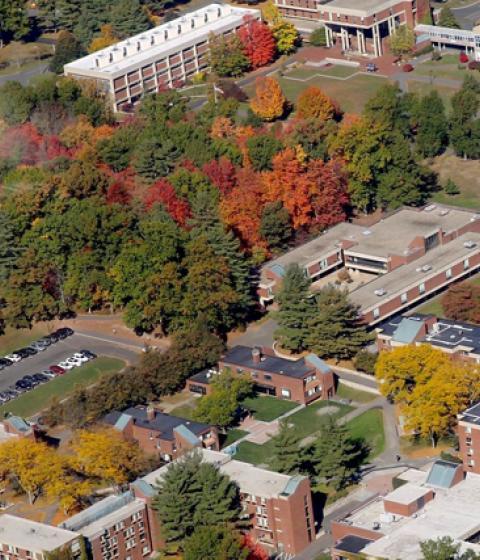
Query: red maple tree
{"x": 258, "y": 42}
{"x": 163, "y": 192}
{"x": 221, "y": 173}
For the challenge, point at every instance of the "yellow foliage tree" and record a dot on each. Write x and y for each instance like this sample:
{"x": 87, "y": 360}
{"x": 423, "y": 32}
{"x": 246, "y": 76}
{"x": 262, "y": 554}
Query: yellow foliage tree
{"x": 105, "y": 455}
{"x": 32, "y": 465}
{"x": 270, "y": 13}
{"x": 430, "y": 388}
{"x": 106, "y": 38}
{"x": 269, "y": 102}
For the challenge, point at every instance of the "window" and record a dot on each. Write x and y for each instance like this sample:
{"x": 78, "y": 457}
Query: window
{"x": 285, "y": 393}
{"x": 404, "y": 298}
{"x": 136, "y": 516}
{"x": 376, "y": 313}
{"x": 145, "y": 550}
{"x": 421, "y": 288}
{"x": 119, "y": 526}
{"x": 448, "y": 273}
{"x": 471, "y": 463}
{"x": 466, "y": 264}
{"x": 323, "y": 263}
{"x": 165, "y": 34}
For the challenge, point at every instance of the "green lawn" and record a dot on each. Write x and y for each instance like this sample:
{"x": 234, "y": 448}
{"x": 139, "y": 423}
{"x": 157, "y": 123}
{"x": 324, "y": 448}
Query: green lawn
{"x": 351, "y": 94}
{"x": 17, "y": 338}
{"x": 308, "y": 73}
{"x": 232, "y": 436}
{"x": 369, "y": 426}
{"x": 184, "y": 410}
{"x": 38, "y": 399}
{"x": 447, "y": 67}
{"x": 422, "y": 88}
{"x": 432, "y": 307}
{"x": 307, "y": 422}
{"x": 266, "y": 409}
{"x": 346, "y": 392}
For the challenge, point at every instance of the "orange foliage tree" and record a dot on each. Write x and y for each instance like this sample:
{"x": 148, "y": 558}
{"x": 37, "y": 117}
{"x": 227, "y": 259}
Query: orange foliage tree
{"x": 269, "y": 102}
{"x": 313, "y": 103}
{"x": 258, "y": 42}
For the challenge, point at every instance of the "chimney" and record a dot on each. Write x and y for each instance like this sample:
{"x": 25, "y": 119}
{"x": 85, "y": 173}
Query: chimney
{"x": 150, "y": 413}
{"x": 256, "y": 355}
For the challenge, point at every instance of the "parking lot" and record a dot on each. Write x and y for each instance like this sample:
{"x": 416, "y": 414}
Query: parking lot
{"x": 60, "y": 351}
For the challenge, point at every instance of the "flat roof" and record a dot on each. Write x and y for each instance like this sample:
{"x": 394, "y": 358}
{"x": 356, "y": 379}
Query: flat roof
{"x": 407, "y": 494}
{"x": 471, "y": 415}
{"x": 454, "y": 512}
{"x": 360, "y": 7}
{"x": 33, "y": 536}
{"x": 153, "y": 43}
{"x": 93, "y": 521}
{"x": 250, "y": 479}
{"x": 400, "y": 279}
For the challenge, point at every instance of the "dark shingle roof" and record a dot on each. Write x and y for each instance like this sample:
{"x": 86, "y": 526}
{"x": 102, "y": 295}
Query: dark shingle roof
{"x": 162, "y": 423}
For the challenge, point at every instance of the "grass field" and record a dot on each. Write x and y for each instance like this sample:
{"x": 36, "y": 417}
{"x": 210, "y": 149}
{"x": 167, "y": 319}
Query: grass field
{"x": 306, "y": 422}
{"x": 308, "y": 73}
{"x": 465, "y": 175}
{"x": 346, "y": 392}
{"x": 17, "y": 338}
{"x": 422, "y": 88}
{"x": 17, "y": 53}
{"x": 233, "y": 436}
{"x": 351, "y": 94}
{"x": 184, "y": 410}
{"x": 369, "y": 426}
{"x": 267, "y": 408}
{"x": 38, "y": 399}
{"x": 432, "y": 307}
{"x": 447, "y": 67}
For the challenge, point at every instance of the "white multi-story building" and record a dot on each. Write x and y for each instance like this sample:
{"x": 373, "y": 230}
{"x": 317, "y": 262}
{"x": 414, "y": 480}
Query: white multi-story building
{"x": 162, "y": 57}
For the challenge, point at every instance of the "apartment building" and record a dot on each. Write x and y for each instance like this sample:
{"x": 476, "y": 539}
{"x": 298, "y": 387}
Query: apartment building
{"x": 162, "y": 434}
{"x": 363, "y": 26}
{"x": 163, "y": 57}
{"x": 438, "y": 501}
{"x": 277, "y": 506}
{"x": 458, "y": 339}
{"x": 395, "y": 263}
{"x": 468, "y": 431}
{"x": 303, "y": 380}
{"x": 22, "y": 539}
{"x": 115, "y": 528}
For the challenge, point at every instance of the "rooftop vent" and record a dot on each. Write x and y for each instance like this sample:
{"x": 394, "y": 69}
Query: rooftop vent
{"x": 366, "y": 232}
{"x": 380, "y": 292}
{"x": 469, "y": 244}
{"x": 444, "y": 212}
{"x": 376, "y": 526}
{"x": 426, "y": 268}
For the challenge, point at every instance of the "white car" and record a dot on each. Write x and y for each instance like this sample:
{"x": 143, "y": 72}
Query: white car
{"x": 13, "y": 358}
{"x": 74, "y": 362}
{"x": 80, "y": 357}
{"x": 66, "y": 365}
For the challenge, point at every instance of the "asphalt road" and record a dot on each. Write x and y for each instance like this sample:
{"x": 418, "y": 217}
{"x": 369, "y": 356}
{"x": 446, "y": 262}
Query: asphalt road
{"x": 63, "y": 349}
{"x": 24, "y": 76}
{"x": 467, "y": 16}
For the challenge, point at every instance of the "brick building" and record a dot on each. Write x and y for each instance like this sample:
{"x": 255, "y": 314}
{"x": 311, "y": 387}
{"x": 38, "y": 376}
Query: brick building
{"x": 22, "y": 539}
{"x": 362, "y": 26}
{"x": 17, "y": 427}
{"x": 277, "y": 506}
{"x": 115, "y": 528}
{"x": 468, "y": 431}
{"x": 302, "y": 381}
{"x": 395, "y": 263}
{"x": 163, "y": 57}
{"x": 458, "y": 339}
{"x": 425, "y": 504}
{"x": 161, "y": 434}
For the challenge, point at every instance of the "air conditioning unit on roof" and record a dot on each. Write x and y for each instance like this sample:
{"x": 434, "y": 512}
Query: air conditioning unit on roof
{"x": 426, "y": 268}
{"x": 380, "y": 292}
{"x": 469, "y": 244}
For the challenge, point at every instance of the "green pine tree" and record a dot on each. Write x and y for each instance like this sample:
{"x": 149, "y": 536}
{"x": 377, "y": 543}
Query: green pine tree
{"x": 214, "y": 543}
{"x": 464, "y": 126}
{"x": 275, "y": 225}
{"x": 335, "y": 456}
{"x": 287, "y": 456}
{"x": 333, "y": 328}
{"x": 155, "y": 154}
{"x": 295, "y": 309}
{"x": 128, "y": 17}
{"x": 447, "y": 19}
{"x": 8, "y": 247}
{"x": 68, "y": 48}
{"x": 432, "y": 126}
{"x": 14, "y": 22}
{"x": 68, "y": 13}
{"x": 194, "y": 494}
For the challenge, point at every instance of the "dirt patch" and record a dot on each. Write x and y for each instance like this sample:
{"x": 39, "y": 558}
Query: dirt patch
{"x": 326, "y": 410}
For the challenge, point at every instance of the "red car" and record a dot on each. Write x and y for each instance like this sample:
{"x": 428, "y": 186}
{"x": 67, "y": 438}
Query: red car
{"x": 57, "y": 370}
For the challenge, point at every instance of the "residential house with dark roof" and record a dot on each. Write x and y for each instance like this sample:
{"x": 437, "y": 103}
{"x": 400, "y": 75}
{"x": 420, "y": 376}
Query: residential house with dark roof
{"x": 303, "y": 380}
{"x": 458, "y": 339}
{"x": 162, "y": 434}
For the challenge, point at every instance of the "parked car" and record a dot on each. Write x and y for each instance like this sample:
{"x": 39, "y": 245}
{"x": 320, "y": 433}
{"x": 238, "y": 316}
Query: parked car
{"x": 40, "y": 377}
{"x": 88, "y": 354}
{"x": 53, "y": 337}
{"x": 57, "y": 370}
{"x": 80, "y": 357}
{"x": 38, "y": 346}
{"x": 74, "y": 362}
{"x": 64, "y": 332}
{"x": 48, "y": 373}
{"x": 66, "y": 365}
{"x": 5, "y": 362}
{"x": 14, "y": 358}
{"x": 30, "y": 379}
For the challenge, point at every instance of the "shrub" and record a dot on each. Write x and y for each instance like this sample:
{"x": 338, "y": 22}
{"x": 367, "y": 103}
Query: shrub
{"x": 436, "y": 55}
{"x": 407, "y": 68}
{"x": 365, "y": 361}
{"x": 451, "y": 188}
{"x": 474, "y": 65}
{"x": 463, "y": 58}
{"x": 318, "y": 37}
